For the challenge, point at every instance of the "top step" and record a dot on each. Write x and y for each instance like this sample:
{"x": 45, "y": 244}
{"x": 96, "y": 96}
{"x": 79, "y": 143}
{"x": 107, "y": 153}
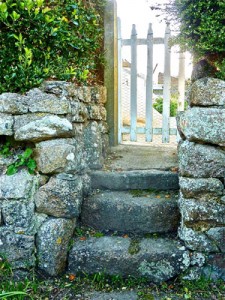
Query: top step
{"x": 134, "y": 180}
{"x": 139, "y": 157}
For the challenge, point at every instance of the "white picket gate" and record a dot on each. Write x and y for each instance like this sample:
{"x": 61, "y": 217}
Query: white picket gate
{"x": 133, "y": 130}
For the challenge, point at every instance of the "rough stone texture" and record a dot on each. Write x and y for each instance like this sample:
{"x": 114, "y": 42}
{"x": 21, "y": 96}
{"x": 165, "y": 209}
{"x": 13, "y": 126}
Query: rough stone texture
{"x": 96, "y": 112}
{"x": 17, "y": 186}
{"x": 52, "y": 245}
{"x": 196, "y": 160}
{"x": 196, "y": 240}
{"x": 42, "y": 102}
{"x": 105, "y": 145}
{"x": 202, "y": 69}
{"x": 130, "y": 295}
{"x": 37, "y": 221}
{"x": 132, "y": 180}
{"x": 88, "y": 94}
{"x": 86, "y": 182}
{"x": 202, "y": 200}
{"x": 218, "y": 236}
{"x": 56, "y": 87}
{"x": 207, "y": 92}
{"x": 93, "y": 145}
{"x": 203, "y": 124}
{"x": 98, "y": 94}
{"x": 103, "y": 127}
{"x": 13, "y": 103}
{"x": 18, "y": 248}
{"x": 44, "y": 129}
{"x": 215, "y": 267}
{"x": 198, "y": 259}
{"x": 82, "y": 94}
{"x": 59, "y": 156}
{"x": 197, "y": 212}
{"x": 205, "y": 189}
{"x": 6, "y": 124}
{"x": 55, "y": 118}
{"x": 61, "y": 197}
{"x": 79, "y": 112}
{"x": 158, "y": 260}
{"x": 193, "y": 273}
{"x": 22, "y": 120}
{"x": 120, "y": 211}
{"x": 19, "y": 215}
{"x": 4, "y": 162}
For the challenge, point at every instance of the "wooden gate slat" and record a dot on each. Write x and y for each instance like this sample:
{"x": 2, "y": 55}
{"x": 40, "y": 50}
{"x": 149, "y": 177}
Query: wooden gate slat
{"x": 133, "y": 94}
{"x": 181, "y": 82}
{"x": 140, "y": 42}
{"x": 149, "y": 85}
{"x": 142, "y": 130}
{"x": 166, "y": 88}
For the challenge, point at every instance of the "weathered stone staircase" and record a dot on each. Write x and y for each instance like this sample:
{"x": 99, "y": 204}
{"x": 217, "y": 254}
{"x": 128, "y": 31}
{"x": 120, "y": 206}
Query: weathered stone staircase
{"x": 138, "y": 212}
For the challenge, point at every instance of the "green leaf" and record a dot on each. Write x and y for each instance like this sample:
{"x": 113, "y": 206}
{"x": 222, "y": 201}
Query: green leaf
{"x": 11, "y": 170}
{"x": 20, "y": 162}
{"x": 27, "y": 153}
{"x": 15, "y": 16}
{"x": 3, "y": 7}
{"x": 5, "y": 295}
{"x": 31, "y": 165}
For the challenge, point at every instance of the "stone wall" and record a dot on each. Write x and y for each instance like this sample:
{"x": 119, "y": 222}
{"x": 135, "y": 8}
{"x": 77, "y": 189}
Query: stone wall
{"x": 65, "y": 125}
{"x": 202, "y": 171}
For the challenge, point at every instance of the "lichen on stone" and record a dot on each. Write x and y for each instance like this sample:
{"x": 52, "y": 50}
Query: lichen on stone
{"x": 157, "y": 269}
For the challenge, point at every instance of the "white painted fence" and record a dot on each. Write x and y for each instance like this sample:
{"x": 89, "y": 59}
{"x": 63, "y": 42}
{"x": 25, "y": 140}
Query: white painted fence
{"x": 148, "y": 130}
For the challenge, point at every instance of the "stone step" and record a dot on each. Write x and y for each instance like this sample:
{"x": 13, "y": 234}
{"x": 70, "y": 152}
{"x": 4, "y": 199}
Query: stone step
{"x": 132, "y": 180}
{"x": 152, "y": 212}
{"x": 156, "y": 259}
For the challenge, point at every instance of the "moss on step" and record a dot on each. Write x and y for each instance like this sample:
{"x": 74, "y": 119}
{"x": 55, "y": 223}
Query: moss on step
{"x": 134, "y": 247}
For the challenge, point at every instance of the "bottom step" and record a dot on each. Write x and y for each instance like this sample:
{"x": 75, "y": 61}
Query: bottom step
{"x": 156, "y": 259}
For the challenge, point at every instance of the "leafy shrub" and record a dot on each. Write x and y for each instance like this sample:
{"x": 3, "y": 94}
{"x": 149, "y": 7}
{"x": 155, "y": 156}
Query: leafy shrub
{"x": 202, "y": 29}
{"x": 221, "y": 67}
{"x": 42, "y": 39}
{"x": 202, "y": 25}
{"x": 158, "y": 105}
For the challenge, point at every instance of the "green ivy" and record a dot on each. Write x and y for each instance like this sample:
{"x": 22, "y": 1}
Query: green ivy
{"x": 58, "y": 39}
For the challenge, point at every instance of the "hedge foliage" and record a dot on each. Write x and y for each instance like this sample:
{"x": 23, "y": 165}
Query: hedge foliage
{"x": 202, "y": 29}
{"x": 42, "y": 39}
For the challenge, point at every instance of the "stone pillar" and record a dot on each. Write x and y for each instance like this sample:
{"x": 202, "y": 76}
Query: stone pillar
{"x": 202, "y": 171}
{"x": 111, "y": 69}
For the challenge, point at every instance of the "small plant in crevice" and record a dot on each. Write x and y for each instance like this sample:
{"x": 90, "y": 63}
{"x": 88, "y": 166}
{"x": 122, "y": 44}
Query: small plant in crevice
{"x": 21, "y": 157}
{"x": 6, "y": 150}
{"x": 85, "y": 232}
{"x": 23, "y": 160}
